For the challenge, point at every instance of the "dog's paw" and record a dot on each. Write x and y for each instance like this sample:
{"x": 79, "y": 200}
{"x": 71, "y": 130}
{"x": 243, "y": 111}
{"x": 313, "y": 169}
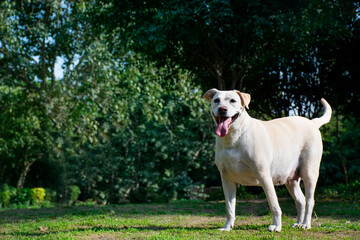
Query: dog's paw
{"x": 228, "y": 225}
{"x": 274, "y": 228}
{"x": 304, "y": 226}
{"x": 296, "y": 225}
{"x": 225, "y": 229}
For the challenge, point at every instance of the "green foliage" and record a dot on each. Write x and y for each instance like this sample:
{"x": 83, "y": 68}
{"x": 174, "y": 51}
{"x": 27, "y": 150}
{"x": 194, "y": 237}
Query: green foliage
{"x": 23, "y": 198}
{"x": 158, "y": 151}
{"x": 350, "y": 192}
{"x": 5, "y": 198}
{"x": 72, "y": 194}
{"x": 25, "y": 132}
{"x": 6, "y": 193}
{"x": 125, "y": 120}
{"x": 287, "y": 54}
{"x": 50, "y": 195}
{"x": 11, "y": 197}
{"x": 40, "y": 112}
{"x": 347, "y": 146}
{"x": 37, "y": 195}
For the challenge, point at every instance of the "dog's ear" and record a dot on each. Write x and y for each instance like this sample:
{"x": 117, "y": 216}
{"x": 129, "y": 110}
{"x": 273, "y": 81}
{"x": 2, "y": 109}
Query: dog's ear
{"x": 245, "y": 98}
{"x": 210, "y": 94}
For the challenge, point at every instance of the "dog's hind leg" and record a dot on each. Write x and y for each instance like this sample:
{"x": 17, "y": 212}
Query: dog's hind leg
{"x": 295, "y": 191}
{"x": 230, "y": 199}
{"x": 309, "y": 173}
{"x": 310, "y": 176}
{"x": 310, "y": 185}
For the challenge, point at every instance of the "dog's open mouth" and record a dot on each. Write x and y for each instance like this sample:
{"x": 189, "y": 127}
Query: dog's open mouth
{"x": 224, "y": 124}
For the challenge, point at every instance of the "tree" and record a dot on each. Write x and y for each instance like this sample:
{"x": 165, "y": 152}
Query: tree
{"x": 35, "y": 38}
{"x": 279, "y": 50}
{"x": 25, "y": 134}
{"x": 224, "y": 38}
{"x": 159, "y": 151}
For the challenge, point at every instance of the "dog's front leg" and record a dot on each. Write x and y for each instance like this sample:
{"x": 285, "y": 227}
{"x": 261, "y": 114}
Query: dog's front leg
{"x": 230, "y": 199}
{"x": 269, "y": 189}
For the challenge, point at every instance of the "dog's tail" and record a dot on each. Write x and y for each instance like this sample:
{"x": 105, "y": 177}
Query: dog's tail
{"x": 325, "y": 118}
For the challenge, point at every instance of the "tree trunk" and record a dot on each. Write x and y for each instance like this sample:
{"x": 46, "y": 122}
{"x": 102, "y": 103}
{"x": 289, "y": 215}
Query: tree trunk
{"x": 219, "y": 76}
{"x": 23, "y": 174}
{"x": 221, "y": 84}
{"x": 238, "y": 76}
{"x": 235, "y": 81}
{"x": 342, "y": 155}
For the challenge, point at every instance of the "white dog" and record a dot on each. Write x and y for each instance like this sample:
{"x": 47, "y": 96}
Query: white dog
{"x": 251, "y": 152}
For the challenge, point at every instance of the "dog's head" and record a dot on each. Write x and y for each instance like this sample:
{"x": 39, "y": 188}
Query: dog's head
{"x": 226, "y": 106}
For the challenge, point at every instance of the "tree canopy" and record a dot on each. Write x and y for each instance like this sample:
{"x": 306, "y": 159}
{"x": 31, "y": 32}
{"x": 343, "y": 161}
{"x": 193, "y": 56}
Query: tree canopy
{"x": 284, "y": 52}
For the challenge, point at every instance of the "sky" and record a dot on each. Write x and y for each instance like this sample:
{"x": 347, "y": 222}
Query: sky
{"x": 59, "y": 71}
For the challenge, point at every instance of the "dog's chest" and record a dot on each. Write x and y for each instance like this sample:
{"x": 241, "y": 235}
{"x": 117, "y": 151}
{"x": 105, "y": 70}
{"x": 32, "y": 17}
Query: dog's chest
{"x": 230, "y": 163}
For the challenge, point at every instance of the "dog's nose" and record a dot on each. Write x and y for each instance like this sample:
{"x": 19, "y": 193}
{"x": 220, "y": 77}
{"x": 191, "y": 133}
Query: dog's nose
{"x": 222, "y": 110}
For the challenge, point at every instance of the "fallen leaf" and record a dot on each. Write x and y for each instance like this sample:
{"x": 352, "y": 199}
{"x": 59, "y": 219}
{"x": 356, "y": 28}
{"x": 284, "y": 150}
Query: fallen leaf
{"x": 43, "y": 229}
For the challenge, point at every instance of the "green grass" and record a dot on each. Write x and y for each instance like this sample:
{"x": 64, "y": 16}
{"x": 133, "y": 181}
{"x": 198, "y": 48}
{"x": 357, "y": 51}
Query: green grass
{"x": 176, "y": 220}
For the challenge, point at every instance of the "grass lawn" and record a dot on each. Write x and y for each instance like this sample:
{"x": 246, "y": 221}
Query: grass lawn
{"x": 177, "y": 220}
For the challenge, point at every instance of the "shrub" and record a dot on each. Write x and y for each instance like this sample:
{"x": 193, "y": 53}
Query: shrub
{"x": 73, "y": 193}
{"x": 6, "y": 193}
{"x": 50, "y": 195}
{"x": 350, "y": 192}
{"x": 196, "y": 191}
{"x": 22, "y": 197}
{"x": 342, "y": 191}
{"x": 5, "y": 198}
{"x": 37, "y": 195}
{"x": 13, "y": 198}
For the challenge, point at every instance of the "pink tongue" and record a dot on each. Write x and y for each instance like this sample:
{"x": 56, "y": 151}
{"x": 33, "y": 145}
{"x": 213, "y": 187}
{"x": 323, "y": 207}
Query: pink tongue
{"x": 223, "y": 127}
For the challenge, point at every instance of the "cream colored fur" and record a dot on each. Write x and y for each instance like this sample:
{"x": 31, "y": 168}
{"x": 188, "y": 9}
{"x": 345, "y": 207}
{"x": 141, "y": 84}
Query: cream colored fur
{"x": 267, "y": 153}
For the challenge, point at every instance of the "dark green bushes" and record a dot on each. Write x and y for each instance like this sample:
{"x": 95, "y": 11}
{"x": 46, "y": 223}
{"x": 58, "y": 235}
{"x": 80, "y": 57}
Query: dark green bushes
{"x": 164, "y": 150}
{"x": 11, "y": 197}
{"x": 342, "y": 191}
{"x": 73, "y": 193}
{"x": 21, "y": 198}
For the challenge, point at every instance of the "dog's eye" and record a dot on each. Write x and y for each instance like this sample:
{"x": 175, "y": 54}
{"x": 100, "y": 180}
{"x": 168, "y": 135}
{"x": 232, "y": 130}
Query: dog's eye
{"x": 233, "y": 101}
{"x": 217, "y": 100}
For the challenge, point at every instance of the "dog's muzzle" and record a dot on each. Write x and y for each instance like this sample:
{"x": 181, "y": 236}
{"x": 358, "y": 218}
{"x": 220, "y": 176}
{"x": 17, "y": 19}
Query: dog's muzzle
{"x": 224, "y": 123}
